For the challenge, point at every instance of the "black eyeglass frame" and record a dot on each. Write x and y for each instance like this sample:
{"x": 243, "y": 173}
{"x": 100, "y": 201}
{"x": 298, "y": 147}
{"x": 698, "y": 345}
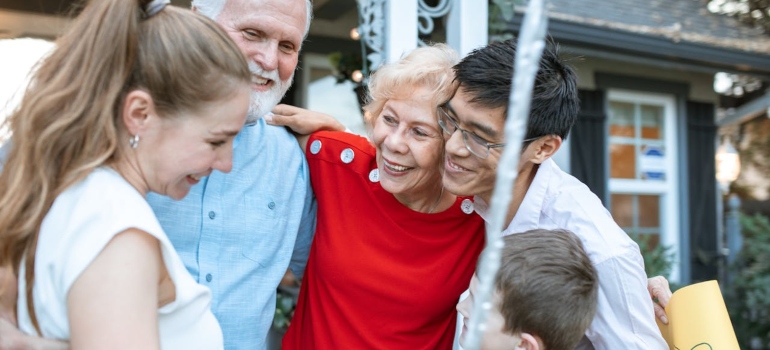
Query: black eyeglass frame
{"x": 442, "y": 111}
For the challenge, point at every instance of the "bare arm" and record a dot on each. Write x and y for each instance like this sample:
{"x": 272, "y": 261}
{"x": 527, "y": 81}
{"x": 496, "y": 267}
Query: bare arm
{"x": 302, "y": 121}
{"x": 113, "y": 304}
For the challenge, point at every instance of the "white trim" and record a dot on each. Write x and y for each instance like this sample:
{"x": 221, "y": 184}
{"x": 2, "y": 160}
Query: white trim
{"x": 400, "y": 28}
{"x": 467, "y": 25}
{"x": 638, "y": 186}
{"x": 668, "y": 188}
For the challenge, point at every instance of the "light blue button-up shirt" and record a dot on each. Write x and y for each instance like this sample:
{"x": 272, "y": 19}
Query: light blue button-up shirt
{"x": 238, "y": 232}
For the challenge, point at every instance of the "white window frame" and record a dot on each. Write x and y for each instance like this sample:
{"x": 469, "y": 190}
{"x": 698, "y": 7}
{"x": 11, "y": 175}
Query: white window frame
{"x": 668, "y": 188}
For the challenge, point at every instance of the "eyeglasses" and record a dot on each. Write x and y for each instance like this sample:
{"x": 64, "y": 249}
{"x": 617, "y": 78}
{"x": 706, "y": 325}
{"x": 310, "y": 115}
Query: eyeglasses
{"x": 474, "y": 143}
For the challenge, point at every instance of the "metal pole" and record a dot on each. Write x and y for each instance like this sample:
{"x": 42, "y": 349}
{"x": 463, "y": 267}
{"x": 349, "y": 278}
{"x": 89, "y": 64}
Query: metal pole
{"x": 733, "y": 233}
{"x": 720, "y": 247}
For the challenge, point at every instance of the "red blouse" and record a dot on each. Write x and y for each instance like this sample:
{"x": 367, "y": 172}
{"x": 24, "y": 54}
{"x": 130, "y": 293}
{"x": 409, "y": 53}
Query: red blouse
{"x": 379, "y": 275}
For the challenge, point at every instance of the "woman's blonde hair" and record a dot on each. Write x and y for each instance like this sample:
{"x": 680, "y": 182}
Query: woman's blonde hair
{"x": 427, "y": 67}
{"x": 69, "y": 120}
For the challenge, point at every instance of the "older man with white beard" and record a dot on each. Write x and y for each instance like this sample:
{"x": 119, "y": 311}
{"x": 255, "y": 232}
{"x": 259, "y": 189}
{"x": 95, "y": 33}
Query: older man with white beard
{"x": 237, "y": 233}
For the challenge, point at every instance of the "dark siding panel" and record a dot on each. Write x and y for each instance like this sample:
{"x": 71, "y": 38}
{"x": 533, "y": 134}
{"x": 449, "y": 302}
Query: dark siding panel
{"x": 588, "y": 143}
{"x": 701, "y": 135}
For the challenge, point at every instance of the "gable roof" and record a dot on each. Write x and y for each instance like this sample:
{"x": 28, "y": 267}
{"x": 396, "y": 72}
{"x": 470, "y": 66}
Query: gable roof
{"x": 675, "y": 30}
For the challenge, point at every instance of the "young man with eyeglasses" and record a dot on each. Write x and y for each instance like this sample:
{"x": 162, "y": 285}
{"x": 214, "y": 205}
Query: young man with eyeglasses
{"x": 544, "y": 196}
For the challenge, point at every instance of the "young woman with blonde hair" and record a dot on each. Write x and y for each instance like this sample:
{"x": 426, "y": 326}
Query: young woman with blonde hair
{"x": 137, "y": 97}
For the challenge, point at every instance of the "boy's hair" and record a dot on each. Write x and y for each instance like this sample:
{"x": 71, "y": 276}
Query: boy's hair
{"x": 485, "y": 74}
{"x": 547, "y": 286}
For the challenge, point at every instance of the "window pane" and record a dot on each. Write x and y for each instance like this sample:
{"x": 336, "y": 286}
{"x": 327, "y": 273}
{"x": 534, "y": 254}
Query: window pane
{"x": 652, "y": 122}
{"x": 621, "y": 119}
{"x": 623, "y": 209}
{"x": 622, "y": 161}
{"x": 649, "y": 211}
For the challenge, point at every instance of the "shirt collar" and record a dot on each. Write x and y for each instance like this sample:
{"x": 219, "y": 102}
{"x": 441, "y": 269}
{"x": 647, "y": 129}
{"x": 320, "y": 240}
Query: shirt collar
{"x": 528, "y": 216}
{"x": 237, "y": 139}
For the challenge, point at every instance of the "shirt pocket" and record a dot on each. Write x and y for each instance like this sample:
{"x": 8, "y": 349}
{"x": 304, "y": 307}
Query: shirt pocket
{"x": 268, "y": 240}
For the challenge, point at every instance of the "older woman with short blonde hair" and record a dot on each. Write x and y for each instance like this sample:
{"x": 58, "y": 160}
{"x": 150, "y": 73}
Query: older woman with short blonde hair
{"x": 392, "y": 251}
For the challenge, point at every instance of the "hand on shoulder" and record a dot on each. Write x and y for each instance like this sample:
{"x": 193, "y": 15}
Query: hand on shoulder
{"x": 302, "y": 121}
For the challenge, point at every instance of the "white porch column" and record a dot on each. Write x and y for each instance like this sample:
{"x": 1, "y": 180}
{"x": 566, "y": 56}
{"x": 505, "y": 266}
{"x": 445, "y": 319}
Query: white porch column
{"x": 400, "y": 28}
{"x": 467, "y": 25}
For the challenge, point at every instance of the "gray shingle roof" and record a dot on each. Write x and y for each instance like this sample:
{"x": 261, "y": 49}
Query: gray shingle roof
{"x": 677, "y": 20}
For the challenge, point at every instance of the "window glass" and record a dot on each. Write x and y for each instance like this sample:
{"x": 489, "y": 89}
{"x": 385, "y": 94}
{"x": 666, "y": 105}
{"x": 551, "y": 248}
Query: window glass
{"x": 623, "y": 209}
{"x": 652, "y": 122}
{"x": 622, "y": 161}
{"x": 649, "y": 211}
{"x": 622, "y": 119}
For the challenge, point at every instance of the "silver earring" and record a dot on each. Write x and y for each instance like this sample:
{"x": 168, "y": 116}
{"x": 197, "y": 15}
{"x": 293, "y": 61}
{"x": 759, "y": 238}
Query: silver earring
{"x": 134, "y": 141}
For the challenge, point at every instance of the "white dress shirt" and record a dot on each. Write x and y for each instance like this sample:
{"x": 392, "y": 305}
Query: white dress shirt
{"x": 624, "y": 317}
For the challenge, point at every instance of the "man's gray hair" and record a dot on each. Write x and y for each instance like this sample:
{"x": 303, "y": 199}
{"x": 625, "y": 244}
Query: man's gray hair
{"x": 212, "y": 9}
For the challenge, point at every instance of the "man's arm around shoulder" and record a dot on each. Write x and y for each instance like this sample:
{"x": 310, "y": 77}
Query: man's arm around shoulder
{"x": 625, "y": 318}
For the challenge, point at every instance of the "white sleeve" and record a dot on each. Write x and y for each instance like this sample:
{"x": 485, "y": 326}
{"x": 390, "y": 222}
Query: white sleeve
{"x": 625, "y": 318}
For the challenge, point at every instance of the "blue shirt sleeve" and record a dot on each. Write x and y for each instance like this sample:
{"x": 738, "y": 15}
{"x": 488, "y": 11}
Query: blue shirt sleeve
{"x": 305, "y": 232}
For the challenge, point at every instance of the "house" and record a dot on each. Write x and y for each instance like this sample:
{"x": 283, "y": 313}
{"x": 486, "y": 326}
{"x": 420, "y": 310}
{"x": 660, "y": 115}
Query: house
{"x": 647, "y": 134}
{"x": 646, "y": 137}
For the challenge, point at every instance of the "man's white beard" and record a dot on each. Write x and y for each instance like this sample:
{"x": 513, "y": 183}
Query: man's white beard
{"x": 264, "y": 102}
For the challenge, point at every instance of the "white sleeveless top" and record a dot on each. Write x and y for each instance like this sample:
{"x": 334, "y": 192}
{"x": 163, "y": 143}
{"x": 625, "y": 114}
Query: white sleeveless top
{"x": 82, "y": 220}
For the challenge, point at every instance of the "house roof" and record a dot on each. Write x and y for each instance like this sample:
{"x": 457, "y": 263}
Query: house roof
{"x": 676, "y": 30}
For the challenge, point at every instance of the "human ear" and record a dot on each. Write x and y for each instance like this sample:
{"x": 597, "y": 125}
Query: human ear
{"x": 545, "y": 147}
{"x": 529, "y": 342}
{"x": 138, "y": 107}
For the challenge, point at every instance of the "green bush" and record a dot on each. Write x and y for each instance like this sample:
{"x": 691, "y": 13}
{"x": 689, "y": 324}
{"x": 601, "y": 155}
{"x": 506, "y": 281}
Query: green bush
{"x": 284, "y": 309}
{"x": 748, "y": 296}
{"x": 658, "y": 260}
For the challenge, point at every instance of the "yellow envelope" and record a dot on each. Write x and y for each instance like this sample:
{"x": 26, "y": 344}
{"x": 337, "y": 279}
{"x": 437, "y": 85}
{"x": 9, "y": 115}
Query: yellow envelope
{"x": 698, "y": 319}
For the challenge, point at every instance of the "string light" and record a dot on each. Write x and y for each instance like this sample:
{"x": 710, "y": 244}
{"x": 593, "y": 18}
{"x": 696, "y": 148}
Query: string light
{"x": 357, "y": 76}
{"x": 354, "y": 34}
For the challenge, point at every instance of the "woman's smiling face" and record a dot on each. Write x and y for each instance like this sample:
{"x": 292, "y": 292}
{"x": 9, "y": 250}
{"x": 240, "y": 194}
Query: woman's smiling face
{"x": 409, "y": 144}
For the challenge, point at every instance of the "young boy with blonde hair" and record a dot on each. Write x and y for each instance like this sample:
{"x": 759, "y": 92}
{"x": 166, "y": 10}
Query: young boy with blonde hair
{"x": 545, "y": 293}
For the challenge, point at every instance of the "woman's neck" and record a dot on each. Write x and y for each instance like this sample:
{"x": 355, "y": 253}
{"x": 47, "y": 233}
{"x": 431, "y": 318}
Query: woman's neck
{"x": 432, "y": 200}
{"x": 128, "y": 167}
